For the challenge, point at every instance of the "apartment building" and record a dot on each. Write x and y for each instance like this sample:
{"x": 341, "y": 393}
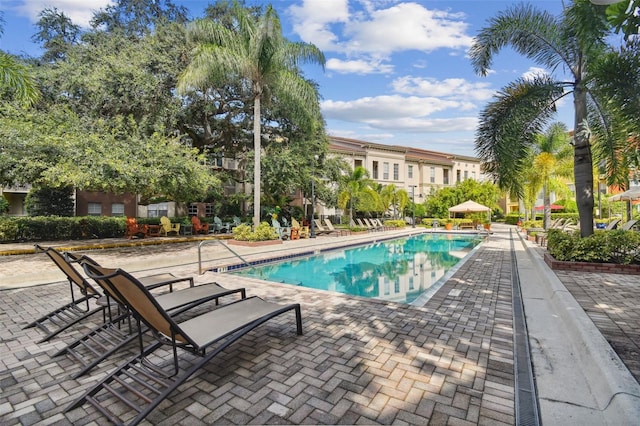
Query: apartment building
{"x": 418, "y": 171}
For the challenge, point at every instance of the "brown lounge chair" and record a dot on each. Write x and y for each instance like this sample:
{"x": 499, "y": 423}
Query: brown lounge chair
{"x": 73, "y": 312}
{"x": 104, "y": 340}
{"x": 79, "y": 309}
{"x": 138, "y": 380}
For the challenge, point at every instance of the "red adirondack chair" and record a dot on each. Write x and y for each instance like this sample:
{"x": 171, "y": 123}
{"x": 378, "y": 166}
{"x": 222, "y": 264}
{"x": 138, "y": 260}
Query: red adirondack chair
{"x": 199, "y": 227}
{"x": 134, "y": 229}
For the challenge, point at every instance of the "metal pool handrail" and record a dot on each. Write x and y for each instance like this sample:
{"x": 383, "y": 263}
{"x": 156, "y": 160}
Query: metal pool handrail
{"x": 223, "y": 245}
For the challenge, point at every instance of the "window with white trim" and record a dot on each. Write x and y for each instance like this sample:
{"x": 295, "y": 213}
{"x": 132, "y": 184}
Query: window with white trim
{"x": 94, "y": 209}
{"x": 117, "y": 209}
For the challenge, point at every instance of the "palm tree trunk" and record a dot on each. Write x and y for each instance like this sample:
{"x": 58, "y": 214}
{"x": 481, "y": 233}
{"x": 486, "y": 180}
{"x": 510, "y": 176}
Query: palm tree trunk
{"x": 583, "y": 166}
{"x": 547, "y": 205}
{"x": 256, "y": 162}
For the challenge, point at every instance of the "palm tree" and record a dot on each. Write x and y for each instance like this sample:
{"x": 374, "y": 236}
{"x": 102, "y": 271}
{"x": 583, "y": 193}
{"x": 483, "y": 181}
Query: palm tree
{"x": 508, "y": 125}
{"x": 395, "y": 198}
{"x": 357, "y": 186}
{"x": 15, "y": 77}
{"x": 255, "y": 52}
{"x": 552, "y": 161}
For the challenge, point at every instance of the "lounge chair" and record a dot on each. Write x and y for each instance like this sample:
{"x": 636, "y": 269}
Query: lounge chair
{"x": 79, "y": 309}
{"x": 379, "y": 226}
{"x": 75, "y": 311}
{"x": 369, "y": 225}
{"x": 166, "y": 227}
{"x": 332, "y": 230}
{"x": 627, "y": 226}
{"x": 611, "y": 225}
{"x": 106, "y": 339}
{"x": 199, "y": 227}
{"x": 138, "y": 381}
{"x": 319, "y": 229}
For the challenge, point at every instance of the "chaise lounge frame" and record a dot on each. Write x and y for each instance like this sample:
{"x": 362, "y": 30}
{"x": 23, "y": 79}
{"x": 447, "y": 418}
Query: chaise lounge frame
{"x": 108, "y": 338}
{"x": 138, "y": 381}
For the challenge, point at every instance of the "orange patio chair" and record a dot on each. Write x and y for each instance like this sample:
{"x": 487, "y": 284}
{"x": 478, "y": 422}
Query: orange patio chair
{"x": 199, "y": 227}
{"x": 134, "y": 229}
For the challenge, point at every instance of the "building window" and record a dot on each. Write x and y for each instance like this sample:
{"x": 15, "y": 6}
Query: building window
{"x": 375, "y": 170}
{"x": 385, "y": 171}
{"x": 117, "y": 209}
{"x": 396, "y": 286}
{"x": 158, "y": 210}
{"x": 473, "y": 175}
{"x": 432, "y": 174}
{"x": 410, "y": 172}
{"x": 457, "y": 175}
{"x": 466, "y": 175}
{"x": 445, "y": 176}
{"x": 357, "y": 163}
{"x": 94, "y": 209}
{"x": 396, "y": 171}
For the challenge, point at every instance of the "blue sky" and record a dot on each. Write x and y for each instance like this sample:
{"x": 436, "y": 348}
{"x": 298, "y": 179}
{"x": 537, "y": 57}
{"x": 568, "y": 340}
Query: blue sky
{"x": 397, "y": 72}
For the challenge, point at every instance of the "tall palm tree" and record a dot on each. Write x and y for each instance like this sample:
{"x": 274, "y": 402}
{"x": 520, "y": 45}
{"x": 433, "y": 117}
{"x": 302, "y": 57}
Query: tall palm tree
{"x": 15, "y": 77}
{"x": 357, "y": 186}
{"x": 395, "y": 198}
{"x": 552, "y": 161}
{"x": 255, "y": 52}
{"x": 509, "y": 124}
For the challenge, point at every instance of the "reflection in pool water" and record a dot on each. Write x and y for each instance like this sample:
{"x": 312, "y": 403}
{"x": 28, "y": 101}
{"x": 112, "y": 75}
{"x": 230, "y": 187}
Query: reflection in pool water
{"x": 395, "y": 270}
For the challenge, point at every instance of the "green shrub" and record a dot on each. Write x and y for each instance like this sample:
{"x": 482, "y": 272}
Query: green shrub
{"x": 54, "y": 228}
{"x": 617, "y": 246}
{"x": 395, "y": 223}
{"x": 263, "y": 232}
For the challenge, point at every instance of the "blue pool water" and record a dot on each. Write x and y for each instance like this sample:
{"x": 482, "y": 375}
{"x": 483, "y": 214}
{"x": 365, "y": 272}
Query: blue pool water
{"x": 400, "y": 270}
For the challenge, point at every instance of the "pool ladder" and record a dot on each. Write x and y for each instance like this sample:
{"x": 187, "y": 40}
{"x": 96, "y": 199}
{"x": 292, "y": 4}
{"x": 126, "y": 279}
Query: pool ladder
{"x": 202, "y": 243}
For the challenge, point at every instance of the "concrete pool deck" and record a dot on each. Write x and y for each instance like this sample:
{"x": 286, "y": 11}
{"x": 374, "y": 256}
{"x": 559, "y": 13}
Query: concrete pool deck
{"x": 360, "y": 361}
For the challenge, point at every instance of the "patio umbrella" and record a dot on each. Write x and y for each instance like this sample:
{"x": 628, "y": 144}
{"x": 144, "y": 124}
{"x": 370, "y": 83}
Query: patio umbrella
{"x": 628, "y": 195}
{"x": 470, "y": 207}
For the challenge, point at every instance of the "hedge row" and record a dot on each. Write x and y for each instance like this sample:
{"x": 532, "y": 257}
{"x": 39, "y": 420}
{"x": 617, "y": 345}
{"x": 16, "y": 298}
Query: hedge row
{"x": 52, "y": 228}
{"x": 617, "y": 246}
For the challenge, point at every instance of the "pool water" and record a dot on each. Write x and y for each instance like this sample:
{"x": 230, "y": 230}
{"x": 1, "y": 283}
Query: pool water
{"x": 401, "y": 270}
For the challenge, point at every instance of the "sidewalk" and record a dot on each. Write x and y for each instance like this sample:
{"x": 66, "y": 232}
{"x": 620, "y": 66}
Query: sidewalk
{"x": 359, "y": 360}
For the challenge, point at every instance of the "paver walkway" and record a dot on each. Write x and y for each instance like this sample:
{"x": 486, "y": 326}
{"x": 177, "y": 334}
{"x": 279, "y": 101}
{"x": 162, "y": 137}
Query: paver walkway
{"x": 359, "y": 361}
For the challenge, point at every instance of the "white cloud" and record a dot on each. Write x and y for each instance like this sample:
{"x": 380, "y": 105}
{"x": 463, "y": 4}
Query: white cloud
{"x": 534, "y": 72}
{"x": 401, "y": 113}
{"x": 359, "y": 66}
{"x": 377, "y": 30}
{"x": 406, "y": 26}
{"x": 313, "y": 19}
{"x": 428, "y": 125}
{"x": 79, "y": 11}
{"x": 369, "y": 109}
{"x": 447, "y": 88}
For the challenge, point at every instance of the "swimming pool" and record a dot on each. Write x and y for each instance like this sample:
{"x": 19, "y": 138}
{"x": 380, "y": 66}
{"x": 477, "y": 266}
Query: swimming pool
{"x": 401, "y": 270}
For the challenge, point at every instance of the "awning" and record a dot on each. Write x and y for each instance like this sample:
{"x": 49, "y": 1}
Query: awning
{"x": 553, "y": 207}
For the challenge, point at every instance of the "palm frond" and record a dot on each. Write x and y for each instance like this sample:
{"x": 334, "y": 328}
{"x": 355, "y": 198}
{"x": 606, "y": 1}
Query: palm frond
{"x": 508, "y": 126}
{"x": 530, "y": 32}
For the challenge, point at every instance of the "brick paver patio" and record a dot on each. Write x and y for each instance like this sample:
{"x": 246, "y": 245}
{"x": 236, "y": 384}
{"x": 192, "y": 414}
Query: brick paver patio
{"x": 359, "y": 361}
